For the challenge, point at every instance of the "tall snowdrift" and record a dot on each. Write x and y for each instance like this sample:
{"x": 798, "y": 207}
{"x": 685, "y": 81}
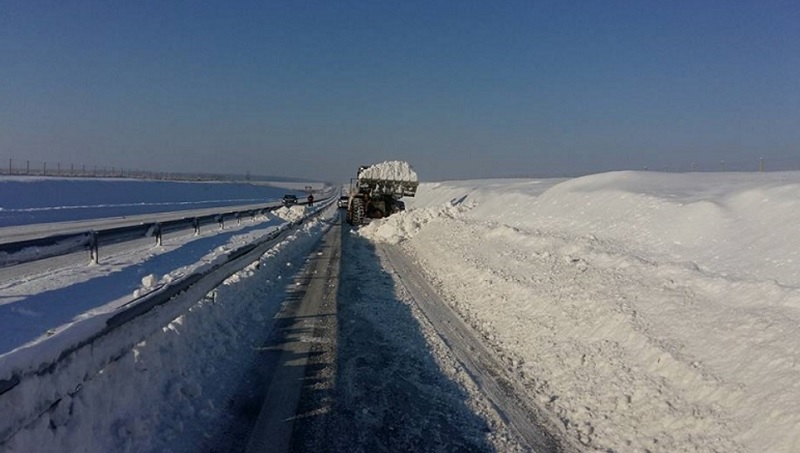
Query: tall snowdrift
{"x": 646, "y": 311}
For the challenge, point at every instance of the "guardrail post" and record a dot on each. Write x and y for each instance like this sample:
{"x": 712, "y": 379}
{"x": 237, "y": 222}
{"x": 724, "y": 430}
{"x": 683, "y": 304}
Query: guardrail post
{"x": 238, "y": 218}
{"x": 196, "y": 226}
{"x": 157, "y": 233}
{"x": 221, "y": 221}
{"x": 94, "y": 247}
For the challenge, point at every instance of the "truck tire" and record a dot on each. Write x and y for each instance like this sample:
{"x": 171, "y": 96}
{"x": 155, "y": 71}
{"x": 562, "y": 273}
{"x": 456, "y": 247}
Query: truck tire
{"x": 357, "y": 211}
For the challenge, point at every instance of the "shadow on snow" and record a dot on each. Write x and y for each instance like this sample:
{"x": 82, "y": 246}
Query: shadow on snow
{"x": 382, "y": 390}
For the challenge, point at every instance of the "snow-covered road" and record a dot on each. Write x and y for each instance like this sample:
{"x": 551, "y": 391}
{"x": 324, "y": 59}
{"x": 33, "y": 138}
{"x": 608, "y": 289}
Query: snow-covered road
{"x": 385, "y": 381}
{"x": 383, "y": 378}
{"x": 638, "y": 311}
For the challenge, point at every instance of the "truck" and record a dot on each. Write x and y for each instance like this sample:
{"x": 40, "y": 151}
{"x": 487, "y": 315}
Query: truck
{"x": 377, "y": 190}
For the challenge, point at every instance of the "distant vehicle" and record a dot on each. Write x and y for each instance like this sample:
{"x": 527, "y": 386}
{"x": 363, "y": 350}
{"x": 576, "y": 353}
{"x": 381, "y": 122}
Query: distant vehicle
{"x": 343, "y": 201}
{"x": 289, "y": 200}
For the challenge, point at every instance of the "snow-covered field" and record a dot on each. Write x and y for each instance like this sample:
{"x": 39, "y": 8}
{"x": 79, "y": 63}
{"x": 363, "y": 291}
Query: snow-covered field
{"x": 646, "y": 311}
{"x": 28, "y": 200}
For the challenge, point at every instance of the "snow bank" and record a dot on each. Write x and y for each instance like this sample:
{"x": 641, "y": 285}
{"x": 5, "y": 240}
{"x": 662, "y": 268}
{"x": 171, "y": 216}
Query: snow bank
{"x": 406, "y": 225}
{"x": 645, "y": 311}
{"x": 390, "y": 170}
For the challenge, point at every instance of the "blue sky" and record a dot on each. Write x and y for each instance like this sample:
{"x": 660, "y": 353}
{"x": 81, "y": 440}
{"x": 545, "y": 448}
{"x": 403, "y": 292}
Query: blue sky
{"x": 460, "y": 89}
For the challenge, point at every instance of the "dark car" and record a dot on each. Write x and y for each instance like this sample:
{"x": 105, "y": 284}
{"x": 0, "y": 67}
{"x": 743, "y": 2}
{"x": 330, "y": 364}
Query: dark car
{"x": 289, "y": 200}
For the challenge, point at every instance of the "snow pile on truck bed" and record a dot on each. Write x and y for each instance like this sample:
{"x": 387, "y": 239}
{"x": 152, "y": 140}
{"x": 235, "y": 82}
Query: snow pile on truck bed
{"x": 394, "y": 170}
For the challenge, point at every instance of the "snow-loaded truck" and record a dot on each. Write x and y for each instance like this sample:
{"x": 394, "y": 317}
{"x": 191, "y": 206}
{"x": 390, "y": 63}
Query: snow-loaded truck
{"x": 377, "y": 190}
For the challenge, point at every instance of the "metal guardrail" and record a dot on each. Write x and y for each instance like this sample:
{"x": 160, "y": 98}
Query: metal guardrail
{"x": 63, "y": 244}
{"x": 174, "y": 291}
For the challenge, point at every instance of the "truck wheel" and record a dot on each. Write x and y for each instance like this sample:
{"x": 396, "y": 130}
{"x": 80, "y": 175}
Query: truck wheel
{"x": 357, "y": 214}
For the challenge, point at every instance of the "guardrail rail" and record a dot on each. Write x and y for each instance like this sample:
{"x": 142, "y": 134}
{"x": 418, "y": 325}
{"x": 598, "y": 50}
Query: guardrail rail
{"x": 109, "y": 342}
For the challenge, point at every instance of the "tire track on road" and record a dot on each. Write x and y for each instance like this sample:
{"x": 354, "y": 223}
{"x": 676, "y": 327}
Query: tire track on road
{"x": 482, "y": 365}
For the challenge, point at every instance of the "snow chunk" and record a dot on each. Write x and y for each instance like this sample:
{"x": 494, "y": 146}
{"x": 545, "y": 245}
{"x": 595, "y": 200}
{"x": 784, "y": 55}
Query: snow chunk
{"x": 394, "y": 170}
{"x": 292, "y": 213}
{"x": 149, "y": 281}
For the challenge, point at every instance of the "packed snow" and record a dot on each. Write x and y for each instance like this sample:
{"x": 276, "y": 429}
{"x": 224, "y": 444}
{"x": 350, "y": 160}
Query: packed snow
{"x": 394, "y": 170}
{"x": 643, "y": 311}
{"x": 646, "y": 311}
{"x": 169, "y": 391}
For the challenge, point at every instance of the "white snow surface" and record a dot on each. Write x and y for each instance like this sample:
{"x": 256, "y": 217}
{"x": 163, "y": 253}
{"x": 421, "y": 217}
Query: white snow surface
{"x": 645, "y": 311}
{"x": 169, "y": 391}
{"x": 394, "y": 170}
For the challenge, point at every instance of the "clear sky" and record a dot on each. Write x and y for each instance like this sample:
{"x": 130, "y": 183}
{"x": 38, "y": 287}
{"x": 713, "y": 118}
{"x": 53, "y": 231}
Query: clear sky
{"x": 460, "y": 89}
